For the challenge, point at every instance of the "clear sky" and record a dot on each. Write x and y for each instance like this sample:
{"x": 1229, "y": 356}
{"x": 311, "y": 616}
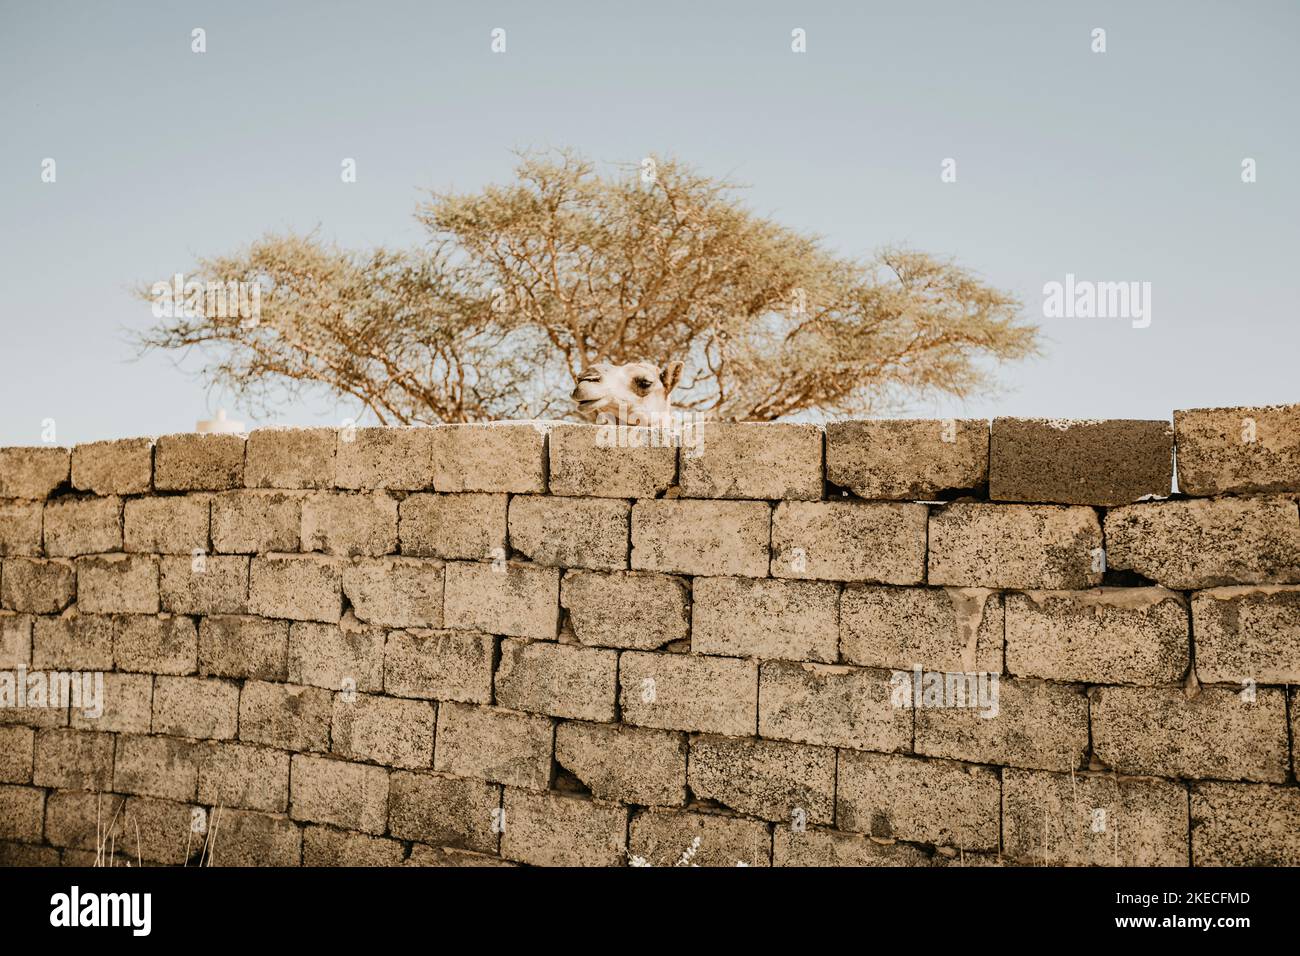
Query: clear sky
{"x": 1115, "y": 166}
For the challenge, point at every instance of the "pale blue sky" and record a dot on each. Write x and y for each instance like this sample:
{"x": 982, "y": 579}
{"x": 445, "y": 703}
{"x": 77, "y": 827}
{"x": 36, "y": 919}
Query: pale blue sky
{"x": 1115, "y": 166}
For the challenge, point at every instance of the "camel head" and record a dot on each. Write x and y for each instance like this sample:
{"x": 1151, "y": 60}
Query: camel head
{"x": 632, "y": 394}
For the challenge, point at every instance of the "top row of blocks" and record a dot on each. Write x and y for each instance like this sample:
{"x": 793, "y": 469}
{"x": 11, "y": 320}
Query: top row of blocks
{"x": 1220, "y": 451}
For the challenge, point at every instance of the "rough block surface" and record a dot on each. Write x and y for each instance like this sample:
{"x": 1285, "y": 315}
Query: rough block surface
{"x": 744, "y": 644}
{"x": 1238, "y": 450}
{"x": 911, "y": 460}
{"x": 1074, "y": 462}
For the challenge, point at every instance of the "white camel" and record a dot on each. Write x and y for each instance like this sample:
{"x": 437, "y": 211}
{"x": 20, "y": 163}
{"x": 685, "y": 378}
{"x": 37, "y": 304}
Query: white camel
{"x": 632, "y": 394}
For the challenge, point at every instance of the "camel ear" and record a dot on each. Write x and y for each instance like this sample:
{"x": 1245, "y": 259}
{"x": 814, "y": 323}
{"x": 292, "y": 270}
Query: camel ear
{"x": 671, "y": 375}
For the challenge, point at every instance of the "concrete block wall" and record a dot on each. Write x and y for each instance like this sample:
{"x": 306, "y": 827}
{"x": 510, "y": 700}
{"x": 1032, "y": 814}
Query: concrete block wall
{"x": 527, "y": 643}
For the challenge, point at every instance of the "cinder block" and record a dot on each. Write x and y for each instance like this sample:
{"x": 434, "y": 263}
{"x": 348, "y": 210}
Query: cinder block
{"x": 570, "y": 532}
{"x": 161, "y": 831}
{"x": 34, "y": 713}
{"x": 471, "y": 526}
{"x": 237, "y": 775}
{"x": 73, "y": 760}
{"x": 37, "y": 586}
{"x": 1216, "y": 734}
{"x": 625, "y": 764}
{"x": 325, "y": 846}
{"x": 717, "y": 695}
{"x": 753, "y": 460}
{"x": 517, "y": 600}
{"x": 22, "y": 812}
{"x": 75, "y": 526}
{"x": 349, "y": 524}
{"x": 25, "y": 854}
{"x": 33, "y": 472}
{"x": 288, "y": 716}
{"x": 198, "y": 462}
{"x": 744, "y": 617}
{"x": 849, "y": 541}
{"x": 349, "y": 795}
{"x": 1207, "y": 543}
{"x": 562, "y": 680}
{"x": 924, "y": 801}
{"x": 445, "y": 811}
{"x": 439, "y": 665}
{"x": 1030, "y": 724}
{"x": 396, "y": 592}
{"x": 121, "y": 467}
{"x": 1103, "y": 636}
{"x": 118, "y": 584}
{"x": 347, "y": 656}
{"x": 344, "y": 656}
{"x": 766, "y": 778}
{"x": 204, "y": 709}
{"x": 155, "y": 644}
{"x": 1073, "y": 462}
{"x": 15, "y": 640}
{"x": 493, "y": 744}
{"x": 17, "y": 754}
{"x": 1241, "y": 824}
{"x": 300, "y": 588}
{"x": 73, "y": 642}
{"x": 290, "y": 458}
{"x": 373, "y": 459}
{"x": 817, "y": 847}
{"x": 20, "y": 528}
{"x": 1247, "y": 633}
{"x": 78, "y": 819}
{"x": 397, "y": 733}
{"x": 124, "y": 705}
{"x": 494, "y": 456}
{"x": 422, "y": 855}
{"x": 156, "y": 767}
{"x": 174, "y": 524}
{"x": 638, "y": 610}
{"x": 942, "y": 629}
{"x": 79, "y": 822}
{"x": 256, "y": 522}
{"x": 668, "y": 838}
{"x": 1091, "y": 819}
{"x": 549, "y": 829}
{"x": 832, "y": 706}
{"x": 908, "y": 459}
{"x": 1238, "y": 450}
{"x": 249, "y": 838}
{"x": 979, "y": 544}
{"x": 240, "y": 647}
{"x": 701, "y": 537}
{"x": 205, "y": 584}
{"x": 611, "y": 462}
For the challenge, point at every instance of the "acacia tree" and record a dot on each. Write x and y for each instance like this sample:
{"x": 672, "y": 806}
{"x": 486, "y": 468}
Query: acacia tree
{"x": 523, "y": 285}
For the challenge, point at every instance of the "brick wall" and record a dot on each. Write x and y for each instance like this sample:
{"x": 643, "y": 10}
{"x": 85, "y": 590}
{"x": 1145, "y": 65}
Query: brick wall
{"x": 476, "y": 645}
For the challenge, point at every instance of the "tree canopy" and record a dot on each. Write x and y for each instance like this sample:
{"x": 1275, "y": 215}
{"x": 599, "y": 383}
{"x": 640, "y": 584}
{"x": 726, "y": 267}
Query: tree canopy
{"x": 523, "y": 285}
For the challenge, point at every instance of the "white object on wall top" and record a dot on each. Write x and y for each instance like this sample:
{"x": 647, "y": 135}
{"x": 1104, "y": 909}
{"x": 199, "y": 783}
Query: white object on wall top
{"x": 219, "y": 425}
